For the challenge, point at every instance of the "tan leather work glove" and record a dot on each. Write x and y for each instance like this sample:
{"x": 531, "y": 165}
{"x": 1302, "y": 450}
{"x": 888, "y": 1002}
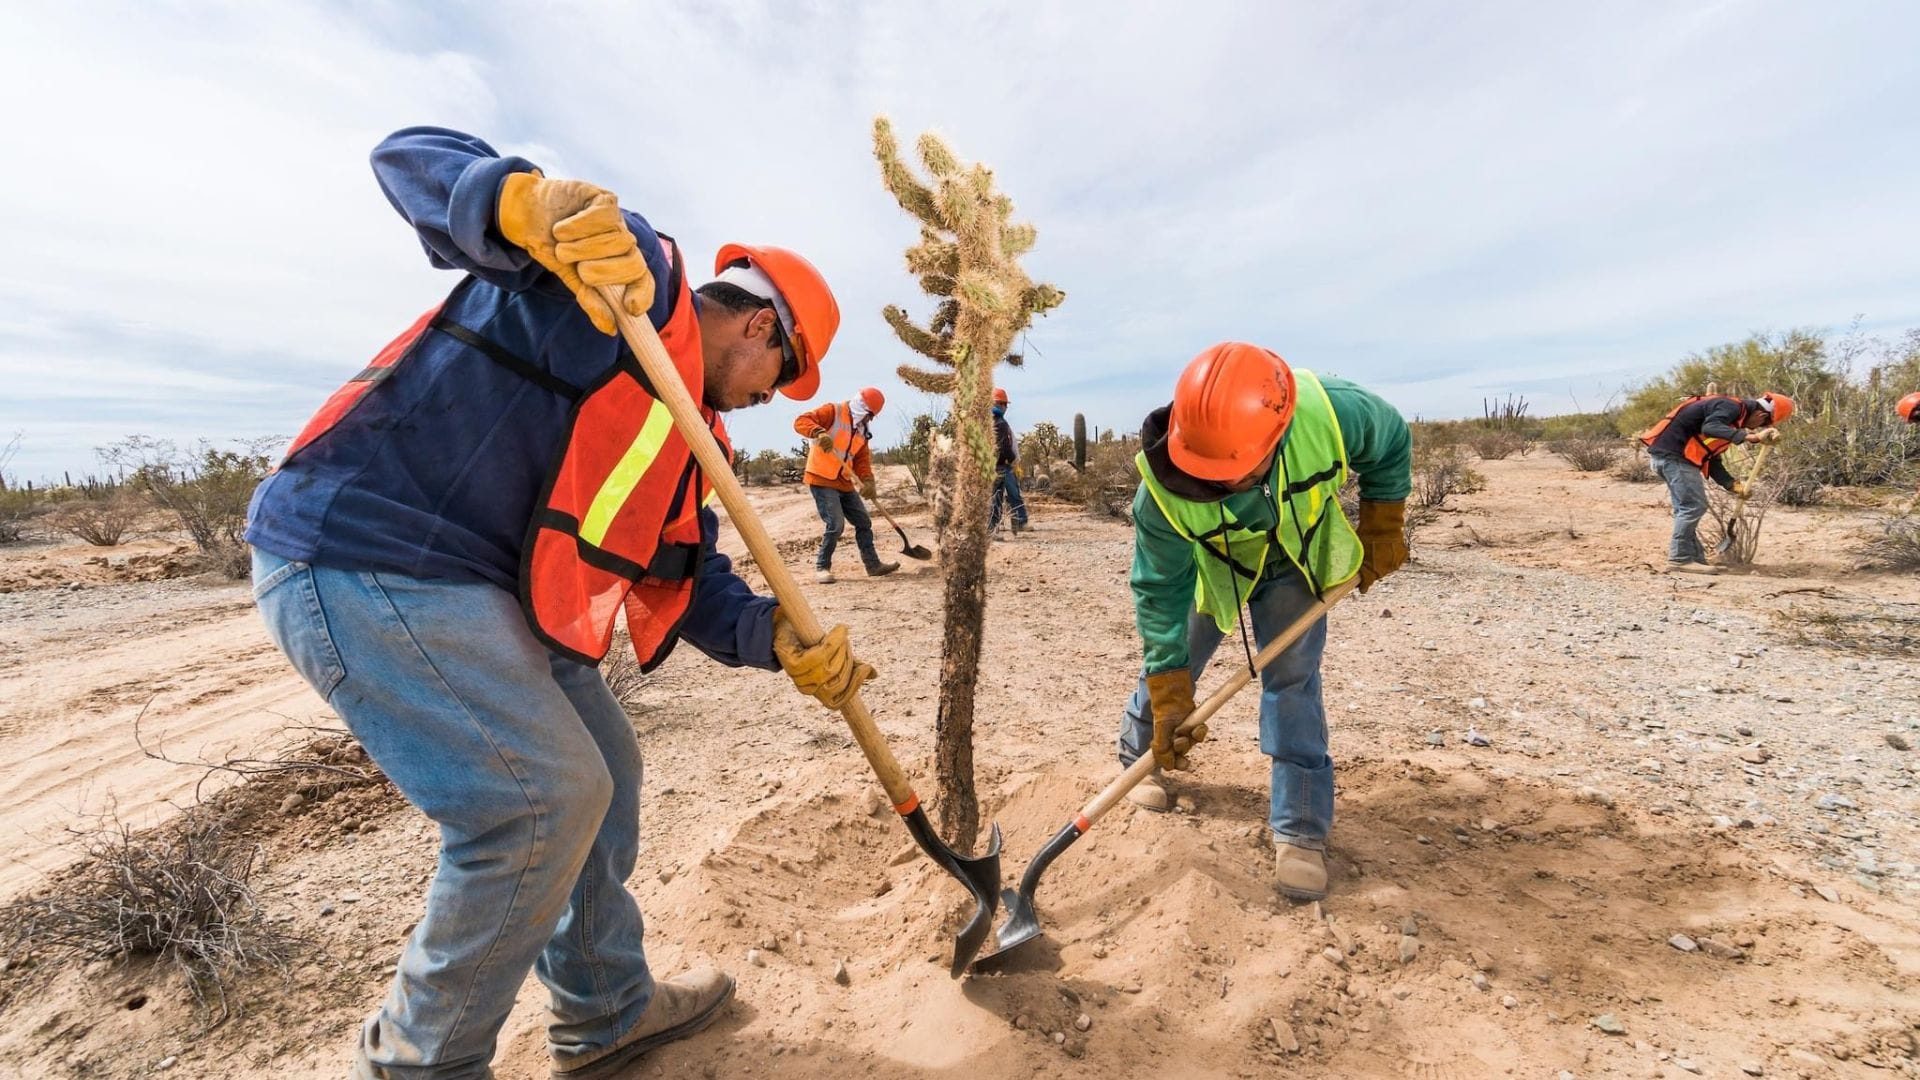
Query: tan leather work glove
{"x": 1763, "y": 436}
{"x": 867, "y": 490}
{"x": 1383, "y": 540}
{"x": 575, "y": 230}
{"x": 1171, "y": 694}
{"x": 1741, "y": 489}
{"x": 824, "y": 441}
{"x": 827, "y": 671}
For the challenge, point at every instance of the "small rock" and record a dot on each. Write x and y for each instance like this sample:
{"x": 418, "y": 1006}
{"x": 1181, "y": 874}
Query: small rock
{"x": 1082, "y": 1022}
{"x": 1020, "y": 1022}
{"x": 1898, "y": 741}
{"x": 1752, "y": 1068}
{"x": 1334, "y": 956}
{"x": 350, "y": 825}
{"x": 1595, "y": 795}
{"x": 1480, "y": 982}
{"x": 1683, "y": 943}
{"x": 1720, "y": 950}
{"x": 1743, "y": 730}
{"x": 840, "y": 973}
{"x": 799, "y": 938}
{"x": 165, "y": 1063}
{"x": 1756, "y": 755}
{"x": 1827, "y": 893}
{"x": 756, "y": 958}
{"x": 292, "y": 802}
{"x": 1686, "y": 1065}
{"x": 1609, "y": 1025}
{"x": 1434, "y": 738}
{"x": 1474, "y": 738}
{"x": 1282, "y": 1034}
{"x": 1409, "y": 949}
{"x": 1808, "y": 1058}
{"x": 1453, "y": 969}
{"x": 1482, "y": 959}
{"x": 1831, "y": 801}
{"x": 1410, "y": 927}
{"x": 1509, "y": 1001}
{"x": 351, "y": 898}
{"x": 1424, "y": 839}
{"x": 1477, "y": 703}
{"x": 1184, "y": 804}
{"x": 1059, "y": 1038}
{"x": 666, "y": 876}
{"x": 326, "y": 909}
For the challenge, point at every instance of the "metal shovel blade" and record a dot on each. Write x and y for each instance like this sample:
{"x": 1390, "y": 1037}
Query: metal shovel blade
{"x": 1023, "y": 921}
{"x": 979, "y": 873}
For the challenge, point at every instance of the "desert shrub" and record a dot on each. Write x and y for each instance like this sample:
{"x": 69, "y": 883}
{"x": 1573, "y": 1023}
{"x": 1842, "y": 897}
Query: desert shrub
{"x": 622, "y": 671}
{"x": 1498, "y": 445}
{"x": 1589, "y": 454}
{"x": 180, "y": 892}
{"x": 1897, "y": 545}
{"x": 17, "y": 507}
{"x": 1586, "y": 425}
{"x": 765, "y": 467}
{"x": 1044, "y": 444}
{"x": 103, "y": 521}
{"x": 1107, "y": 484}
{"x": 1441, "y": 472}
{"x": 1634, "y": 466}
{"x": 206, "y": 488}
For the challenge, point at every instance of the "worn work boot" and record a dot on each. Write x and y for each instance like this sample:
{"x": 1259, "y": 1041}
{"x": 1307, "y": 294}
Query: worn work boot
{"x": 1151, "y": 794}
{"x": 882, "y": 569}
{"x": 824, "y": 577}
{"x": 1691, "y": 568}
{"x": 1300, "y": 873}
{"x": 680, "y": 1007}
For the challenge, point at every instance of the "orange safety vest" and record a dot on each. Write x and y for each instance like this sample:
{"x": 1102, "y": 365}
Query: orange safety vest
{"x": 619, "y": 518}
{"x": 1701, "y": 450}
{"x": 836, "y": 464}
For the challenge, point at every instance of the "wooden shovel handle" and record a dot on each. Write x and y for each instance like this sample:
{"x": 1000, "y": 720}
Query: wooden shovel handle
{"x": 1144, "y": 764}
{"x": 1753, "y": 474}
{"x": 646, "y": 346}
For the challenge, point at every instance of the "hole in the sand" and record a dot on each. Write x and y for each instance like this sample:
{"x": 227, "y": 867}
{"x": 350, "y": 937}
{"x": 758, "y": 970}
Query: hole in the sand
{"x": 137, "y": 1001}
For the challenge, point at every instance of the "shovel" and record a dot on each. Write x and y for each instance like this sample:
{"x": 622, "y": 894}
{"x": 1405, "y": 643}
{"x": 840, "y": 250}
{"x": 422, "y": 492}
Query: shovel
{"x": 907, "y": 547}
{"x": 1023, "y": 923}
{"x": 979, "y": 874}
{"x": 1740, "y": 503}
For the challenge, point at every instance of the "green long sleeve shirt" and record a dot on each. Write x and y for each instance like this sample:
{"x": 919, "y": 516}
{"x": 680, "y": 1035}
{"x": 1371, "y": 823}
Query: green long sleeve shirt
{"x": 1379, "y": 449}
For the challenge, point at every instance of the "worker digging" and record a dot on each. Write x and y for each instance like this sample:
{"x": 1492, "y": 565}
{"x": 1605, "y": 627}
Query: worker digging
{"x": 839, "y": 474}
{"x": 1685, "y": 449}
{"x": 1237, "y": 518}
{"x": 445, "y": 549}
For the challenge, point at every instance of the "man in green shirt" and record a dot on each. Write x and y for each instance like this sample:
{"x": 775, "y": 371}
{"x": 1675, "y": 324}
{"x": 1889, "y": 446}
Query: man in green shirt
{"x": 1238, "y": 518}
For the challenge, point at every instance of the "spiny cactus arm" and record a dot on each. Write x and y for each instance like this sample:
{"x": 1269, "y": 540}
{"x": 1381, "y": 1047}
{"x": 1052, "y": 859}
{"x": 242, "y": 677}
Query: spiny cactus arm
{"x": 944, "y": 317}
{"x": 913, "y": 196}
{"x": 933, "y": 382}
{"x": 933, "y": 255}
{"x": 913, "y": 337}
{"x": 937, "y": 284}
{"x": 937, "y": 156}
{"x": 1017, "y": 240}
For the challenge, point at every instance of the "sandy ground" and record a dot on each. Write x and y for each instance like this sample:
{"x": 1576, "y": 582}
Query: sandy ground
{"x": 1668, "y": 756}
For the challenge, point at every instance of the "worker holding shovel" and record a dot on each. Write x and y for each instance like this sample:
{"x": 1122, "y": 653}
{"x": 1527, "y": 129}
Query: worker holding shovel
{"x": 443, "y": 554}
{"x": 1238, "y": 515}
{"x": 840, "y": 432}
{"x": 1006, "y": 469}
{"x": 1684, "y": 448}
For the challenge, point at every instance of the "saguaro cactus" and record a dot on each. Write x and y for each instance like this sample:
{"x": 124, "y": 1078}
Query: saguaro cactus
{"x": 968, "y": 260}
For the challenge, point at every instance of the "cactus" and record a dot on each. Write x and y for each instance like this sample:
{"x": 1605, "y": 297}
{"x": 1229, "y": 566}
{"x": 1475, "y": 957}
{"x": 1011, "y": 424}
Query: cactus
{"x": 967, "y": 258}
{"x": 1079, "y": 442}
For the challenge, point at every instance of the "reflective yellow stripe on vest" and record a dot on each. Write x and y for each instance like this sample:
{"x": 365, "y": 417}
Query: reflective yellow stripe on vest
{"x": 1312, "y": 529}
{"x": 626, "y": 474}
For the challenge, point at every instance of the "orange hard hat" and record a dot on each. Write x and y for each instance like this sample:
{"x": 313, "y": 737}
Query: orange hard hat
{"x": 808, "y": 312}
{"x": 1779, "y": 406}
{"x": 1230, "y": 407}
{"x": 1909, "y": 408}
{"x": 875, "y": 400}
{"x": 999, "y": 396}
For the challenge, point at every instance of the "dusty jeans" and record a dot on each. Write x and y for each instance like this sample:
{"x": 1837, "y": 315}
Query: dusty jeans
{"x": 531, "y": 770}
{"x": 1293, "y": 720}
{"x": 1687, "y": 488}
{"x": 1006, "y": 489}
{"x": 837, "y": 508}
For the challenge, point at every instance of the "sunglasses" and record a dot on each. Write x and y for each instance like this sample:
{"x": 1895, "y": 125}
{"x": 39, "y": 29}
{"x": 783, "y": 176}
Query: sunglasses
{"x": 789, "y": 359}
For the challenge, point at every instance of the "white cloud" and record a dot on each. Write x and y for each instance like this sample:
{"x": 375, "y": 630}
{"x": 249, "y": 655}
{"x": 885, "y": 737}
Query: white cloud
{"x": 1436, "y": 199}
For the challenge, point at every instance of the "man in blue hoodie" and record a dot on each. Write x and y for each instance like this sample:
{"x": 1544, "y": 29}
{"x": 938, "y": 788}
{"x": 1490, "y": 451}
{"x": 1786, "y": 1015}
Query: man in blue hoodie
{"x": 443, "y": 554}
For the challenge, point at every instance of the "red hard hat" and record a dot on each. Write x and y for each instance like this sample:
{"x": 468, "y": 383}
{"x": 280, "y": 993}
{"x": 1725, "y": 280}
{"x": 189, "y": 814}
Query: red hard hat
{"x": 999, "y": 396}
{"x": 875, "y": 400}
{"x": 1909, "y": 408}
{"x": 1779, "y": 406}
{"x": 1230, "y": 407}
{"x": 815, "y": 313}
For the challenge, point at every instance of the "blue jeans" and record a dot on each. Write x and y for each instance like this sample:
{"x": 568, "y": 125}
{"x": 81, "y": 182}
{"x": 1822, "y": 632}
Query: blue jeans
{"x": 1293, "y": 721}
{"x": 1687, "y": 488}
{"x": 837, "y": 508}
{"x": 1007, "y": 486}
{"x": 530, "y": 768}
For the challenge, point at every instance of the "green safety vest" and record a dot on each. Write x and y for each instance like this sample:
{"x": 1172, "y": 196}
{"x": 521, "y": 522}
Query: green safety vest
{"x": 1310, "y": 526}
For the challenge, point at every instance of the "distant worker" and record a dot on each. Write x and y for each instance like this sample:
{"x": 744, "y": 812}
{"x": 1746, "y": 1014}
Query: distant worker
{"x": 1685, "y": 448}
{"x": 1238, "y": 518}
{"x": 1006, "y": 468}
{"x": 839, "y": 456}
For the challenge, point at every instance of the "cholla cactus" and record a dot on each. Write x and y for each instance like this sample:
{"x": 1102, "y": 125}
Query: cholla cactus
{"x": 968, "y": 260}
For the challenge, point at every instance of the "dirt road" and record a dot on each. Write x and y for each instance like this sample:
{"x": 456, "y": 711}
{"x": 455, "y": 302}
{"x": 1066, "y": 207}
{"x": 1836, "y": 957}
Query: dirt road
{"x": 1667, "y": 756}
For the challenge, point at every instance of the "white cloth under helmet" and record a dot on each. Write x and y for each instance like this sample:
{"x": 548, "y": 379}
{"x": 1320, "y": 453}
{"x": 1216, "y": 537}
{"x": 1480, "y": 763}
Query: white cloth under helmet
{"x": 754, "y": 280}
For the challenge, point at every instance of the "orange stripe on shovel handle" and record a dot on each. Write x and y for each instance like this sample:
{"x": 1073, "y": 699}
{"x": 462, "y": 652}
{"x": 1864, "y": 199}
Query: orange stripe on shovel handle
{"x": 908, "y": 807}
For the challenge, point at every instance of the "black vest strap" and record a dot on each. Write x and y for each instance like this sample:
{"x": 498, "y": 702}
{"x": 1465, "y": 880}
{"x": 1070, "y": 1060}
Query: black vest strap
{"x": 505, "y": 359}
{"x": 670, "y": 562}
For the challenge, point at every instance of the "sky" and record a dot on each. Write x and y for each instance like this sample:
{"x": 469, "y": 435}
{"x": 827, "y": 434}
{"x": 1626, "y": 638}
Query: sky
{"x": 1445, "y": 202}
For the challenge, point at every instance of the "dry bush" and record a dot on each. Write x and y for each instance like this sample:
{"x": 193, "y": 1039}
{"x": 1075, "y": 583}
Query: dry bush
{"x": 1441, "y": 472}
{"x": 1885, "y": 632}
{"x": 105, "y": 521}
{"x": 1897, "y": 547}
{"x": 1634, "y": 467}
{"x": 622, "y": 671}
{"x": 206, "y": 488}
{"x": 1107, "y": 484}
{"x": 18, "y": 507}
{"x": 1589, "y": 455}
{"x": 1499, "y": 445}
{"x": 181, "y": 892}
